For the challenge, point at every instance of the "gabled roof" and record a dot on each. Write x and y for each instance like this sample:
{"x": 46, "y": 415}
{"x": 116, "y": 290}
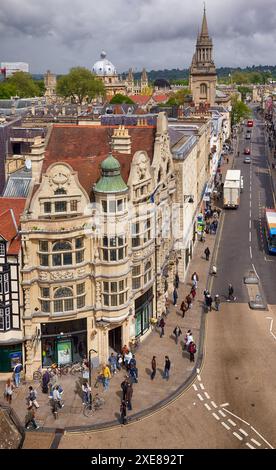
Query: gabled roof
{"x": 160, "y": 98}
{"x": 140, "y": 99}
{"x": 10, "y": 212}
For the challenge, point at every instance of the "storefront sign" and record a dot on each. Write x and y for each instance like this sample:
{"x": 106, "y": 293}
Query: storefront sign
{"x": 64, "y": 350}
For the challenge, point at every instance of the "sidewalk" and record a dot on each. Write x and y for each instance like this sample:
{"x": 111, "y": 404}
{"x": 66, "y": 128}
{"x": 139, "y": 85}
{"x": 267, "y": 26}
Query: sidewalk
{"x": 147, "y": 394}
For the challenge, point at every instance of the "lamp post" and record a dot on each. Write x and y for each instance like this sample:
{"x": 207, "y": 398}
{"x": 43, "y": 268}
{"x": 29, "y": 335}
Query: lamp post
{"x": 89, "y": 364}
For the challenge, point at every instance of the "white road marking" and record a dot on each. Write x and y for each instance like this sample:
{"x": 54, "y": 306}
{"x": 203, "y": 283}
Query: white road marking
{"x": 250, "y": 446}
{"x": 197, "y": 371}
{"x": 270, "y": 328}
{"x": 243, "y": 432}
{"x": 250, "y": 250}
{"x": 214, "y": 404}
{"x": 207, "y": 406}
{"x": 222, "y": 414}
{"x": 250, "y": 203}
{"x": 206, "y": 395}
{"x": 238, "y": 436}
{"x": 224, "y": 404}
{"x": 255, "y": 271}
{"x": 202, "y": 386}
{"x": 250, "y": 224}
{"x": 250, "y": 213}
{"x": 256, "y": 442}
{"x": 231, "y": 422}
{"x": 200, "y": 397}
{"x": 216, "y": 416}
{"x": 199, "y": 378}
{"x": 249, "y": 237}
{"x": 225, "y": 425}
{"x": 195, "y": 387}
{"x": 262, "y": 437}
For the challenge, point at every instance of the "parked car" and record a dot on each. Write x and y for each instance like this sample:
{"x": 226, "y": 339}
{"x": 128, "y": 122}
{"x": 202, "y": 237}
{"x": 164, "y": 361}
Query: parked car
{"x": 248, "y": 135}
{"x": 247, "y": 159}
{"x": 246, "y": 151}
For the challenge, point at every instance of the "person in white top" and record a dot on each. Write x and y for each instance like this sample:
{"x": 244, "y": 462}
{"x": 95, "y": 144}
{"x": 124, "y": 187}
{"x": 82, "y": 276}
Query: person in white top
{"x": 188, "y": 339}
{"x": 57, "y": 396}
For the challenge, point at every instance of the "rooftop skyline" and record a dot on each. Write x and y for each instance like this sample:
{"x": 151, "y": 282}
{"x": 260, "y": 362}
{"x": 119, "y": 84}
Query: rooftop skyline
{"x": 60, "y": 34}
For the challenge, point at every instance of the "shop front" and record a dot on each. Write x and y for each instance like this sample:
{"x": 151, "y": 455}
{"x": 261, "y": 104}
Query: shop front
{"x": 10, "y": 355}
{"x": 63, "y": 342}
{"x": 143, "y": 312}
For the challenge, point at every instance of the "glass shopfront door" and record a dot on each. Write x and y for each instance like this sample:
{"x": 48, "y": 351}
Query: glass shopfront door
{"x": 143, "y": 313}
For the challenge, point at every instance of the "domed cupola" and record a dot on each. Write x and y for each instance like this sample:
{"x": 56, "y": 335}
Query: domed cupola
{"x": 111, "y": 180}
{"x": 104, "y": 67}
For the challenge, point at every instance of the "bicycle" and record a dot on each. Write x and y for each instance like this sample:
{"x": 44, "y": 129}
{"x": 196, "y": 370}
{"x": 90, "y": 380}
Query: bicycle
{"x": 95, "y": 404}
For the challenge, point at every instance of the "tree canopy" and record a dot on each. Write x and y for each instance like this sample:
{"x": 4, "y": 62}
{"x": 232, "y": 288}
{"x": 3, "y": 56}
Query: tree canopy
{"x": 120, "y": 99}
{"x": 239, "y": 111}
{"x": 20, "y": 84}
{"x": 80, "y": 85}
{"x": 178, "y": 97}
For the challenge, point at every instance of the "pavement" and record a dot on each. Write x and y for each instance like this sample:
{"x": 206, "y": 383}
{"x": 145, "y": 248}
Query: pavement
{"x": 148, "y": 396}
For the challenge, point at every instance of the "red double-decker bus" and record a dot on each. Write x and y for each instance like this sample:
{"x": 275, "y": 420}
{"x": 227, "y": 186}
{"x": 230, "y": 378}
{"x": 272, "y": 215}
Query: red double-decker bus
{"x": 249, "y": 123}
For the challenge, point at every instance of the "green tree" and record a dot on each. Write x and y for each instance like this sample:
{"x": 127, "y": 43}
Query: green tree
{"x": 184, "y": 82}
{"x": 120, "y": 99}
{"x": 7, "y": 90}
{"x": 239, "y": 111}
{"x": 24, "y": 85}
{"x": 178, "y": 97}
{"x": 244, "y": 90}
{"x": 41, "y": 86}
{"x": 80, "y": 84}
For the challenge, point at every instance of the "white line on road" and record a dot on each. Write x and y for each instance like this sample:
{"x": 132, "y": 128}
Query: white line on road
{"x": 200, "y": 397}
{"x": 227, "y": 411}
{"x": 270, "y": 328}
{"x": 261, "y": 437}
{"x": 250, "y": 446}
{"x": 222, "y": 414}
{"x": 231, "y": 422}
{"x": 195, "y": 387}
{"x": 250, "y": 224}
{"x": 243, "y": 432}
{"x": 214, "y": 404}
{"x": 255, "y": 271}
{"x": 206, "y": 395}
{"x": 198, "y": 378}
{"x": 238, "y": 436}
{"x": 207, "y": 406}
{"x": 249, "y": 237}
{"x": 250, "y": 203}
{"x": 202, "y": 386}
{"x": 250, "y": 250}
{"x": 197, "y": 371}
{"x": 224, "y": 404}
{"x": 256, "y": 442}
{"x": 216, "y": 416}
{"x": 225, "y": 425}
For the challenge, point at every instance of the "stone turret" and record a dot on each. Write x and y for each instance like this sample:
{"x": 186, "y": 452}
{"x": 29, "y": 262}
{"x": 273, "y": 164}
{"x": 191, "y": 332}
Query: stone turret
{"x": 111, "y": 180}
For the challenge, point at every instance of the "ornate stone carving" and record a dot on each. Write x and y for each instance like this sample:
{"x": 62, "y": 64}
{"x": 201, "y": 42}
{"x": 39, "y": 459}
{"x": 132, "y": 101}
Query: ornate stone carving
{"x": 59, "y": 275}
{"x": 98, "y": 292}
{"x": 142, "y": 166}
{"x": 29, "y": 350}
{"x": 27, "y": 298}
{"x": 43, "y": 276}
{"x": 59, "y": 179}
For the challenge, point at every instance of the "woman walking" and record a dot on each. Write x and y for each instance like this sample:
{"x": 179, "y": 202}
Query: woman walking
{"x": 183, "y": 308}
{"x": 9, "y": 391}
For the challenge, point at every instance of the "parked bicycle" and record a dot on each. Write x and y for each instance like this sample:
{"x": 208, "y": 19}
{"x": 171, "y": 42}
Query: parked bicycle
{"x": 95, "y": 404}
{"x": 59, "y": 370}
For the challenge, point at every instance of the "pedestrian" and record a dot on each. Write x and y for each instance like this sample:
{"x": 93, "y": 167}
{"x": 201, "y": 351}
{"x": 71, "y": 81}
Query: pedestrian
{"x": 209, "y": 301}
{"x": 32, "y": 397}
{"x": 57, "y": 398}
{"x": 133, "y": 373}
{"x": 45, "y": 382}
{"x": 167, "y": 367}
{"x": 129, "y": 393}
{"x": 217, "y": 302}
{"x": 123, "y": 412}
{"x": 113, "y": 363}
{"x": 183, "y": 308}
{"x": 193, "y": 292}
{"x": 9, "y": 388}
{"x": 195, "y": 279}
{"x": 86, "y": 394}
{"x": 127, "y": 359}
{"x": 188, "y": 339}
{"x": 205, "y": 293}
{"x": 177, "y": 332}
{"x": 119, "y": 361}
{"x": 162, "y": 326}
{"x": 106, "y": 377}
{"x": 30, "y": 418}
{"x": 16, "y": 371}
{"x": 192, "y": 351}
{"x": 207, "y": 253}
{"x": 189, "y": 301}
{"x": 176, "y": 280}
{"x": 230, "y": 293}
{"x": 175, "y": 297}
{"x": 214, "y": 270}
{"x": 153, "y": 367}
{"x": 124, "y": 387}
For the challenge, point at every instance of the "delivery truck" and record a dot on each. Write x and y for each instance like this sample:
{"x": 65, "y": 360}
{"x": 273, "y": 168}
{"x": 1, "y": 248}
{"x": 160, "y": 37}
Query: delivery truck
{"x": 232, "y": 189}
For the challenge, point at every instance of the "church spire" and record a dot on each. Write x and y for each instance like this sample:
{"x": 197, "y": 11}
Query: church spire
{"x": 204, "y": 27}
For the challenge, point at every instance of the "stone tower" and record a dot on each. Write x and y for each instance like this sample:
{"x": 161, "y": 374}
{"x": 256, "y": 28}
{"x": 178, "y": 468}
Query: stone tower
{"x": 130, "y": 82}
{"x": 144, "y": 80}
{"x": 50, "y": 82}
{"x": 203, "y": 75}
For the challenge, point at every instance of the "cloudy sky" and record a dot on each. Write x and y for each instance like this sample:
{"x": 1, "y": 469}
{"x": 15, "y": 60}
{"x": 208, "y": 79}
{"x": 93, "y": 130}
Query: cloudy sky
{"x": 157, "y": 34}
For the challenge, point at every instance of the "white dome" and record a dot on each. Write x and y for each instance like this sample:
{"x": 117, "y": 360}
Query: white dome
{"x": 104, "y": 66}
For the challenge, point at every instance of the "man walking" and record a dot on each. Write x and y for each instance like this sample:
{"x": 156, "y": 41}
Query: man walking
{"x": 32, "y": 397}
{"x": 106, "y": 377}
{"x": 167, "y": 367}
{"x": 153, "y": 367}
{"x": 195, "y": 279}
{"x": 209, "y": 301}
{"x": 207, "y": 253}
{"x": 176, "y": 280}
{"x": 230, "y": 293}
{"x": 175, "y": 297}
{"x": 57, "y": 397}
{"x": 177, "y": 332}
{"x": 189, "y": 301}
{"x": 113, "y": 363}
{"x": 129, "y": 393}
{"x": 30, "y": 418}
{"x": 123, "y": 412}
{"x": 217, "y": 302}
{"x": 183, "y": 308}
{"x": 162, "y": 326}
{"x": 124, "y": 385}
{"x": 17, "y": 369}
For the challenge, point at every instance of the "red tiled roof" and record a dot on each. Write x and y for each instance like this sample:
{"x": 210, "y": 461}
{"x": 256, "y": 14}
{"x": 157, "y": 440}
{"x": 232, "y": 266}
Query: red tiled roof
{"x": 85, "y": 147}
{"x": 8, "y": 229}
{"x": 140, "y": 99}
{"x": 160, "y": 98}
{"x": 15, "y": 246}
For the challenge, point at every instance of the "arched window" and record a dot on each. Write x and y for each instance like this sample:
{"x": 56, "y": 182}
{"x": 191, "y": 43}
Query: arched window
{"x": 63, "y": 300}
{"x": 147, "y": 272}
{"x": 64, "y": 258}
{"x": 203, "y": 90}
{"x": 60, "y": 191}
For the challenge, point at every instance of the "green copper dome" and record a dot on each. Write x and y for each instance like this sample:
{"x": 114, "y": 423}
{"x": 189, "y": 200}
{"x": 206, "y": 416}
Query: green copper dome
{"x": 111, "y": 180}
